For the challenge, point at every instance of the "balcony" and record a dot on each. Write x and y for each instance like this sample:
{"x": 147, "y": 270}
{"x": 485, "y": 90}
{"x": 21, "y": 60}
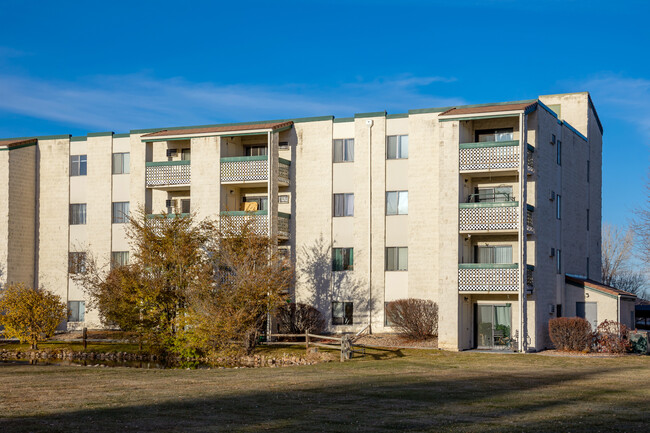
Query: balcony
{"x": 489, "y": 155}
{"x": 486, "y": 216}
{"x": 488, "y": 277}
{"x": 168, "y": 174}
{"x": 259, "y": 221}
{"x": 252, "y": 170}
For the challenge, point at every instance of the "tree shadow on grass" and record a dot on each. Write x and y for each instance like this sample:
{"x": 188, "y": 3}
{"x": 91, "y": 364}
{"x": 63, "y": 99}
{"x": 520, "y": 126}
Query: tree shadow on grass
{"x": 363, "y": 402}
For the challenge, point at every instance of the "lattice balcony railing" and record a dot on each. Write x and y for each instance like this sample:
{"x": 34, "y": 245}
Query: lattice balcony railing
{"x": 168, "y": 173}
{"x": 488, "y": 216}
{"x": 530, "y": 226}
{"x": 484, "y": 277}
{"x": 283, "y": 171}
{"x": 244, "y": 169}
{"x": 283, "y": 225}
{"x": 489, "y": 155}
{"x": 530, "y": 162}
{"x": 529, "y": 275}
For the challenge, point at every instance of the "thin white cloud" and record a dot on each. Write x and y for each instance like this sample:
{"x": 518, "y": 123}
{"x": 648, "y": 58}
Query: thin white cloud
{"x": 125, "y": 102}
{"x": 622, "y": 98}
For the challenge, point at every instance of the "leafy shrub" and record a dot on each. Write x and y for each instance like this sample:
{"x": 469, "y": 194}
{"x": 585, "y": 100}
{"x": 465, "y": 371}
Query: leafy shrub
{"x": 296, "y": 318}
{"x": 612, "y": 337}
{"x": 570, "y": 333}
{"x": 414, "y": 318}
{"x": 30, "y": 314}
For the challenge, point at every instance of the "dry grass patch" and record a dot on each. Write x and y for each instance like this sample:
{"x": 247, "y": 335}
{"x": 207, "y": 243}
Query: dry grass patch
{"x": 387, "y": 390}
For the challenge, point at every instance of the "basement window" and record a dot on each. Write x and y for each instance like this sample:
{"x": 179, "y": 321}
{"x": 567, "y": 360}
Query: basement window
{"x": 342, "y": 313}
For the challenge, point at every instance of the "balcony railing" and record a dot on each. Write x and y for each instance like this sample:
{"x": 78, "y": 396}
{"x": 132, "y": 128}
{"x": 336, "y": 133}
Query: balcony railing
{"x": 259, "y": 221}
{"x": 158, "y": 220}
{"x": 530, "y": 226}
{"x": 529, "y": 275}
{"x": 530, "y": 162}
{"x": 488, "y": 277}
{"x": 491, "y": 155}
{"x": 168, "y": 173}
{"x": 251, "y": 169}
{"x": 488, "y": 216}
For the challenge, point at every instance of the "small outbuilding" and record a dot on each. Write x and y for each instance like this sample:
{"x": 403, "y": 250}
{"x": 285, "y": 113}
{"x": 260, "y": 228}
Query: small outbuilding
{"x": 597, "y": 302}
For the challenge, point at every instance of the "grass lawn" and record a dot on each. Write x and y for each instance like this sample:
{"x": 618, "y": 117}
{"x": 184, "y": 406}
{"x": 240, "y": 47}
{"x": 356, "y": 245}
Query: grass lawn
{"x": 386, "y": 391}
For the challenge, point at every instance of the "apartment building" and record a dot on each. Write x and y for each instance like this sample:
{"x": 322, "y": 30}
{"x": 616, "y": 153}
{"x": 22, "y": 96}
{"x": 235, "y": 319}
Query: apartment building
{"x": 485, "y": 209}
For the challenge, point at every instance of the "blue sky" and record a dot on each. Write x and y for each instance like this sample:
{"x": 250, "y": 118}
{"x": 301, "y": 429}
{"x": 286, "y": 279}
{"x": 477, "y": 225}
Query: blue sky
{"x": 77, "y": 66}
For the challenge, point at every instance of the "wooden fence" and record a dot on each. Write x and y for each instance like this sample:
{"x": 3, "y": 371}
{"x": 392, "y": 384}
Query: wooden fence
{"x": 345, "y": 343}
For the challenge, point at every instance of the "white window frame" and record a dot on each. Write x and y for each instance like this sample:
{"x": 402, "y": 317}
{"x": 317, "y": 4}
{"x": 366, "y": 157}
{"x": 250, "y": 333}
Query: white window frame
{"x": 346, "y": 151}
{"x": 402, "y": 202}
{"x": 401, "y": 144}
{"x": 121, "y": 163}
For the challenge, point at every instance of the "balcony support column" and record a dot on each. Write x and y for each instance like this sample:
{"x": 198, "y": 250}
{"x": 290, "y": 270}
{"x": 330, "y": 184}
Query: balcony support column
{"x": 522, "y": 243}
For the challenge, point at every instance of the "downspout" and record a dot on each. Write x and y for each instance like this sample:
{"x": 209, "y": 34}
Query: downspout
{"x": 369, "y": 123}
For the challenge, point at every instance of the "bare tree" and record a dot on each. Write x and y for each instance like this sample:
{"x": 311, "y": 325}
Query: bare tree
{"x": 641, "y": 227}
{"x": 616, "y": 251}
{"x": 618, "y": 269}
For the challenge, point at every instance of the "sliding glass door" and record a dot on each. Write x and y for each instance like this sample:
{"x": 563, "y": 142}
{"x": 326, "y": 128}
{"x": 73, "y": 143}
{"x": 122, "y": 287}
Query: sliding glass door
{"x": 493, "y": 325}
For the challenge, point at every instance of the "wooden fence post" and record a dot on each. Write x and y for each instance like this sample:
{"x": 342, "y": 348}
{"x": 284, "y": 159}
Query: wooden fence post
{"x": 306, "y": 338}
{"x": 85, "y": 337}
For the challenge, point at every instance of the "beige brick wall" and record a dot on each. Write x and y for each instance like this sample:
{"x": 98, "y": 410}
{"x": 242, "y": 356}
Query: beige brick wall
{"x": 53, "y": 227}
{"x": 22, "y": 215}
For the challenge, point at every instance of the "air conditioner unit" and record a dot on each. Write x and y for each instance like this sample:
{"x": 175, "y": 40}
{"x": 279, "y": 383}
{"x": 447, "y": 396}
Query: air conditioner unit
{"x": 552, "y": 138}
{"x": 172, "y": 152}
{"x": 552, "y": 252}
{"x": 551, "y": 196}
{"x": 551, "y": 308}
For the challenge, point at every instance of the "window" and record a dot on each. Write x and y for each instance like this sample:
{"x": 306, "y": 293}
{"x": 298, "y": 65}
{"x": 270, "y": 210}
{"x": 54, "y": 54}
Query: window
{"x": 397, "y": 259}
{"x": 343, "y": 205}
{"x": 283, "y": 198}
{"x": 397, "y": 147}
{"x": 186, "y": 154}
{"x": 387, "y": 321}
{"x": 257, "y": 150}
{"x": 77, "y": 311}
{"x": 559, "y": 152}
{"x": 185, "y": 205}
{"x": 558, "y": 207}
{"x": 501, "y": 254}
{"x": 283, "y": 145}
{"x": 77, "y": 263}
{"x": 120, "y": 212}
{"x": 342, "y": 313}
{"x": 492, "y": 195}
{"x": 342, "y": 259}
{"x": 119, "y": 258}
{"x": 78, "y": 213}
{"x": 344, "y": 150}
{"x": 552, "y": 138}
{"x": 558, "y": 261}
{"x": 252, "y": 204}
{"x": 78, "y": 165}
{"x": 558, "y": 310}
{"x": 503, "y": 134}
{"x": 397, "y": 203}
{"x": 121, "y": 163}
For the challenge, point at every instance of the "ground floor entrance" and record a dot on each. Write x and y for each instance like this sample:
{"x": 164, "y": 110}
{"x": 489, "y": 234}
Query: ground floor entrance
{"x": 493, "y": 326}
